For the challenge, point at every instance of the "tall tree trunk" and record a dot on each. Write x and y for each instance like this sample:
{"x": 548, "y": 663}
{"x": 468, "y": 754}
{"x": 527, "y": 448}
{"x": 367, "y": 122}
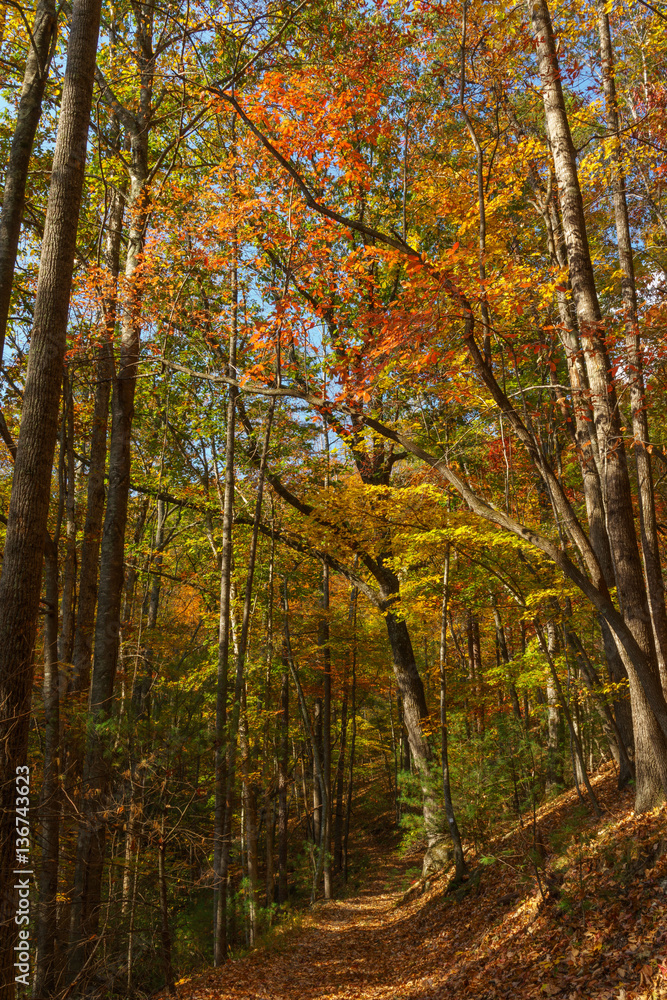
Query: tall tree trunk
{"x": 610, "y": 725}
{"x": 554, "y": 769}
{"x": 269, "y": 745}
{"x": 143, "y": 685}
{"x": 283, "y": 761}
{"x": 220, "y": 944}
{"x": 233, "y": 728}
{"x": 20, "y": 584}
{"x": 269, "y": 854}
{"x": 414, "y": 712}
{"x": 325, "y": 650}
{"x": 404, "y": 755}
{"x": 635, "y": 373}
{"x": 132, "y": 896}
{"x": 554, "y": 778}
{"x": 66, "y": 637}
{"x": 40, "y": 50}
{"x": 340, "y": 779}
{"x": 50, "y": 805}
{"x": 317, "y": 764}
{"x": 505, "y": 657}
{"x": 650, "y": 741}
{"x": 588, "y": 453}
{"x": 250, "y": 812}
{"x": 459, "y": 859}
{"x": 92, "y": 529}
{"x": 47, "y": 922}
{"x": 475, "y": 670}
{"x": 353, "y": 737}
{"x": 326, "y": 725}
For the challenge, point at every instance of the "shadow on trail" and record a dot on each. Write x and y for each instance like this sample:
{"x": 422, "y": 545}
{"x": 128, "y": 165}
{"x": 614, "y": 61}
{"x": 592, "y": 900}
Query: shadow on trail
{"x": 501, "y": 941}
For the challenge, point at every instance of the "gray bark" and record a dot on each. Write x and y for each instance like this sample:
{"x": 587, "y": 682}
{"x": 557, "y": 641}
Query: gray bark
{"x": 635, "y": 373}
{"x": 224, "y": 635}
{"x": 650, "y": 742}
{"x": 20, "y": 584}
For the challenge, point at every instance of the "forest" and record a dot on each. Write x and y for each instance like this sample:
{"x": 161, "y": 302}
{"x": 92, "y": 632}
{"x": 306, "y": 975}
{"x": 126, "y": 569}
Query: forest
{"x": 333, "y": 499}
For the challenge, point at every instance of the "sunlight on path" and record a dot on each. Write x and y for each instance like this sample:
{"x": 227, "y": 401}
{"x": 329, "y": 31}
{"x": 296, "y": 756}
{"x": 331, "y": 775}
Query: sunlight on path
{"x": 491, "y": 943}
{"x": 363, "y": 947}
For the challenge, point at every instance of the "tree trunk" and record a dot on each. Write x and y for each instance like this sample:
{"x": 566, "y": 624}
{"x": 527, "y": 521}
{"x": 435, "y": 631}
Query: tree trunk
{"x": 414, "y": 711}
{"x": 326, "y": 722}
{"x": 40, "y": 51}
{"x": 554, "y": 767}
{"x": 588, "y": 453}
{"x": 270, "y": 875}
{"x": 20, "y": 584}
{"x": 233, "y": 729}
{"x": 250, "y": 812}
{"x": 317, "y": 756}
{"x": 92, "y": 530}
{"x": 554, "y": 778}
{"x": 143, "y": 684}
{"x": 340, "y": 780}
{"x": 650, "y": 741}
{"x": 134, "y": 880}
{"x": 505, "y": 657}
{"x": 459, "y": 859}
{"x": 221, "y": 731}
{"x": 269, "y": 746}
{"x": 68, "y": 601}
{"x": 353, "y": 740}
{"x": 635, "y": 373}
{"x": 47, "y": 923}
{"x": 283, "y": 762}
{"x": 475, "y": 671}
{"x": 574, "y": 735}
{"x": 317, "y": 764}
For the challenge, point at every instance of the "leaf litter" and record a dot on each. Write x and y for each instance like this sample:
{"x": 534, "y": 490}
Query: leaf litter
{"x": 563, "y": 906}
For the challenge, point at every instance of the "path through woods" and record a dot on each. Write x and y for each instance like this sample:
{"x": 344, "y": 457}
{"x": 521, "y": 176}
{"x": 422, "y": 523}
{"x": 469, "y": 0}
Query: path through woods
{"x": 600, "y": 933}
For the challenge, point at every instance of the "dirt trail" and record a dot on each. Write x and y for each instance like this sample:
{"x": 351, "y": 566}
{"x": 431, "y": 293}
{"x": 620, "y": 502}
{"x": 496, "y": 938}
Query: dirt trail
{"x": 351, "y": 948}
{"x": 602, "y": 936}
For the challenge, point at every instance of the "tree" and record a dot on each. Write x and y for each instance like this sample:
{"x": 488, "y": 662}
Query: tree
{"x": 31, "y": 485}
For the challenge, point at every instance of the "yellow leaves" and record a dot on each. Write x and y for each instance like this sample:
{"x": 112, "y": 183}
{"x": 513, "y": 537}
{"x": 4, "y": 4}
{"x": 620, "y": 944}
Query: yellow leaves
{"x": 365, "y": 510}
{"x": 545, "y": 596}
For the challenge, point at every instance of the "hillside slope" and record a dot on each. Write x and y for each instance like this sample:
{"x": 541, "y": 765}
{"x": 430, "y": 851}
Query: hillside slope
{"x": 565, "y": 906}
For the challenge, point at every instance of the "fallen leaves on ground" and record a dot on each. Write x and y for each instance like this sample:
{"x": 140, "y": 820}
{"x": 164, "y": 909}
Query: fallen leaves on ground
{"x": 593, "y": 927}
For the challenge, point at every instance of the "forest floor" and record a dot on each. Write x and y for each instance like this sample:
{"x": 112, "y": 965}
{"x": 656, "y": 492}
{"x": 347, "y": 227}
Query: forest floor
{"x": 588, "y": 920}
